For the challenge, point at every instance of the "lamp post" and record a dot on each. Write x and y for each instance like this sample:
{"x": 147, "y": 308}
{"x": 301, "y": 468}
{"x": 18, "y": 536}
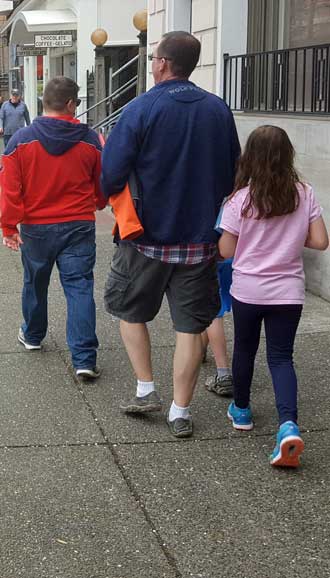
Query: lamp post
{"x": 99, "y": 38}
{"x": 140, "y": 21}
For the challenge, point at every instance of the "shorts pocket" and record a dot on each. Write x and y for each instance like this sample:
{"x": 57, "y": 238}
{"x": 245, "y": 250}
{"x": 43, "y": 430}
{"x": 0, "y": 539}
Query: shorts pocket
{"x": 115, "y": 291}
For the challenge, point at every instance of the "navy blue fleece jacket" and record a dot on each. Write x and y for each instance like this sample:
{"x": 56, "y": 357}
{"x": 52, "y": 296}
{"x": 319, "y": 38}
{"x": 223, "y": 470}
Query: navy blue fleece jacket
{"x": 182, "y": 144}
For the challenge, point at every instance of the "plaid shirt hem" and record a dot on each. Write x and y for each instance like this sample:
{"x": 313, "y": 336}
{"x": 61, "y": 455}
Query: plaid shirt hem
{"x": 191, "y": 254}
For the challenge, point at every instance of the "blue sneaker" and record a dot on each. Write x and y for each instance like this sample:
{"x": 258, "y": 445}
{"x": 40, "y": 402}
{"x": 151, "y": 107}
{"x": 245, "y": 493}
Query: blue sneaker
{"x": 289, "y": 446}
{"x": 240, "y": 418}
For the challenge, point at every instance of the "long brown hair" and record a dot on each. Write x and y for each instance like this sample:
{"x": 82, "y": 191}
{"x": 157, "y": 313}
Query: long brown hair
{"x": 267, "y": 167}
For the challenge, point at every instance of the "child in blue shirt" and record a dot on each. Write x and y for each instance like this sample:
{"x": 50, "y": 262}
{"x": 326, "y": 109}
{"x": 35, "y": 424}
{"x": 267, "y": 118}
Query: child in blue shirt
{"x": 222, "y": 382}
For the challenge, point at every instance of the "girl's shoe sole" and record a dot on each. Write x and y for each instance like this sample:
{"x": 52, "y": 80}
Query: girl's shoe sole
{"x": 291, "y": 449}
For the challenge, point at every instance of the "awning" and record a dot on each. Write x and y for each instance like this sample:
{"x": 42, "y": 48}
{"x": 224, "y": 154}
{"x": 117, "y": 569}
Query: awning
{"x": 48, "y": 20}
{"x": 5, "y": 7}
{"x": 24, "y": 24}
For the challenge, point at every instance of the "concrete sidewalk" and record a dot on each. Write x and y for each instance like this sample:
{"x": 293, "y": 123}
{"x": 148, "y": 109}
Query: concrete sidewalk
{"x": 87, "y": 492}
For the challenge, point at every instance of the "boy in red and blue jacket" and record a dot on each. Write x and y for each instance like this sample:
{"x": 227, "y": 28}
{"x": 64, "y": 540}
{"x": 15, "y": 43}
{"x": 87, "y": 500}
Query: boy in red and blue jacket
{"x": 50, "y": 186}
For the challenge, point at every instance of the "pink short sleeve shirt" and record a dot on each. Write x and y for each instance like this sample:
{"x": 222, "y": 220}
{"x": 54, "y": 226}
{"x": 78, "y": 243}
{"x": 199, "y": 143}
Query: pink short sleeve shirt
{"x": 268, "y": 264}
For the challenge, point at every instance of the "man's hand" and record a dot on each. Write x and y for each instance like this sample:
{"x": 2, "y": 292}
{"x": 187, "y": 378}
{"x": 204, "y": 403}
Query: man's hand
{"x": 13, "y": 242}
{"x": 1, "y": 130}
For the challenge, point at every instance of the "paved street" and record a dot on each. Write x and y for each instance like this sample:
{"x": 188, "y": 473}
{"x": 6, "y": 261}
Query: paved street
{"x": 87, "y": 492}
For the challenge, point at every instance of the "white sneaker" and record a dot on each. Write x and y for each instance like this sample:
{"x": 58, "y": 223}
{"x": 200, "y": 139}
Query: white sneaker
{"x": 22, "y": 340}
{"x": 88, "y": 373}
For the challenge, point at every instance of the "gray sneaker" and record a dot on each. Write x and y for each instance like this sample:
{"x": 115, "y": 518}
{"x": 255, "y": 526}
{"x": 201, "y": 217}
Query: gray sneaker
{"x": 150, "y": 402}
{"x": 180, "y": 427}
{"x": 220, "y": 385}
{"x": 27, "y": 345}
{"x": 88, "y": 374}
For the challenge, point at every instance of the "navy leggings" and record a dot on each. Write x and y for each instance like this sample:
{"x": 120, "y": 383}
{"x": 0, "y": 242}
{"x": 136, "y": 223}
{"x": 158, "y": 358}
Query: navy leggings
{"x": 281, "y": 323}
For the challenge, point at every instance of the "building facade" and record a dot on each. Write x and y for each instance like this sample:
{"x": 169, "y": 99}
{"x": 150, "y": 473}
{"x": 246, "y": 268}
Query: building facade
{"x": 270, "y": 60}
{"x": 6, "y": 7}
{"x": 72, "y": 19}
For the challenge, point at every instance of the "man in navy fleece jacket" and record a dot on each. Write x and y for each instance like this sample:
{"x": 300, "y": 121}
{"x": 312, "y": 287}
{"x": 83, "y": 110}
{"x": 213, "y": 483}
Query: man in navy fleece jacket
{"x": 181, "y": 143}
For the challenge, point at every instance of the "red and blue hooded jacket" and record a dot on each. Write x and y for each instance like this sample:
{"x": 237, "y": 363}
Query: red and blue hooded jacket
{"x": 51, "y": 174}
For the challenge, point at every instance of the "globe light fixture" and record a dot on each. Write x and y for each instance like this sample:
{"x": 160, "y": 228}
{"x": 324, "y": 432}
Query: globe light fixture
{"x": 140, "y": 20}
{"x": 99, "y": 37}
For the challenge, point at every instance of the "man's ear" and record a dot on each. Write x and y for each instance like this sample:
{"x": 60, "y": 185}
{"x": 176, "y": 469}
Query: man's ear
{"x": 71, "y": 107}
{"x": 162, "y": 65}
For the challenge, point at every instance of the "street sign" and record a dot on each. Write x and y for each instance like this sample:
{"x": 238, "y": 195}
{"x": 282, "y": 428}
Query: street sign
{"x": 52, "y": 40}
{"x": 30, "y": 51}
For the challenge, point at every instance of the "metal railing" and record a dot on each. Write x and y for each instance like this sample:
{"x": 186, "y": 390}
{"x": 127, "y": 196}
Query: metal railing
{"x": 114, "y": 95}
{"x": 294, "y": 80}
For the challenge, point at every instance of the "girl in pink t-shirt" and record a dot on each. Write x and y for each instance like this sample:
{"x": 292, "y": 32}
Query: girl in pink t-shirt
{"x": 267, "y": 222}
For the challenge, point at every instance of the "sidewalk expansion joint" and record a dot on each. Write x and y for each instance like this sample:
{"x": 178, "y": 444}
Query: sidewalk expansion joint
{"x": 169, "y": 557}
{"x": 232, "y": 437}
{"x": 71, "y": 372}
{"x": 130, "y": 485}
{"x": 112, "y": 447}
{"x": 53, "y": 446}
{"x": 53, "y": 348}
{"x": 116, "y": 444}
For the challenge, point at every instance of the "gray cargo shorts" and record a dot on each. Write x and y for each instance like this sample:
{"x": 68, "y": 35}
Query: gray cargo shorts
{"x": 136, "y": 286}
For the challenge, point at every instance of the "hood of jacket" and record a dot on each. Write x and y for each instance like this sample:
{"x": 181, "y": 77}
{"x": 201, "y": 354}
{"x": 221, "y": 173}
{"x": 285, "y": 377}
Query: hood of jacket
{"x": 57, "y": 134}
{"x": 185, "y": 91}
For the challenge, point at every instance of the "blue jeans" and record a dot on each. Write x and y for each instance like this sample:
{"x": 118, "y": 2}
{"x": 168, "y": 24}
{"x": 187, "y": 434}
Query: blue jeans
{"x": 225, "y": 272}
{"x": 72, "y": 247}
{"x": 281, "y": 324}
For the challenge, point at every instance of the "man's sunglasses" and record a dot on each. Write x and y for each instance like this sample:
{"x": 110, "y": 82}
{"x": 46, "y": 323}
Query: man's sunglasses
{"x": 76, "y": 100}
{"x": 152, "y": 57}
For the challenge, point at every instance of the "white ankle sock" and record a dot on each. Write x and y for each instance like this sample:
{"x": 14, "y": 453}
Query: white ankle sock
{"x": 177, "y": 412}
{"x": 144, "y": 388}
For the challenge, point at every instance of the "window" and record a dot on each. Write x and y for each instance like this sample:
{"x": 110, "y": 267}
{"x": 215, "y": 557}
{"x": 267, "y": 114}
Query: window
{"x": 179, "y": 15}
{"x": 274, "y": 24}
{"x": 308, "y": 23}
{"x": 263, "y": 25}
{"x": 288, "y": 61}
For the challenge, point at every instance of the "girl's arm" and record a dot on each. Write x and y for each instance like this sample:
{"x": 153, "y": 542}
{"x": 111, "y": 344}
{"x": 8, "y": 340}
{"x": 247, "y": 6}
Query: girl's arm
{"x": 227, "y": 245}
{"x": 317, "y": 237}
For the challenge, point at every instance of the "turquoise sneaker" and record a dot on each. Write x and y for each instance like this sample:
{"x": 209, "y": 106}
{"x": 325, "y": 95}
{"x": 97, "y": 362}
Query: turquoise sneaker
{"x": 240, "y": 418}
{"x": 289, "y": 446}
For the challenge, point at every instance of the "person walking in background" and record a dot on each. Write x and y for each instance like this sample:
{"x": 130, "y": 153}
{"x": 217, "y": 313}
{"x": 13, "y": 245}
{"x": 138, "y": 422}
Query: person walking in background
{"x": 50, "y": 185}
{"x": 14, "y": 114}
{"x": 267, "y": 222}
{"x": 181, "y": 143}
